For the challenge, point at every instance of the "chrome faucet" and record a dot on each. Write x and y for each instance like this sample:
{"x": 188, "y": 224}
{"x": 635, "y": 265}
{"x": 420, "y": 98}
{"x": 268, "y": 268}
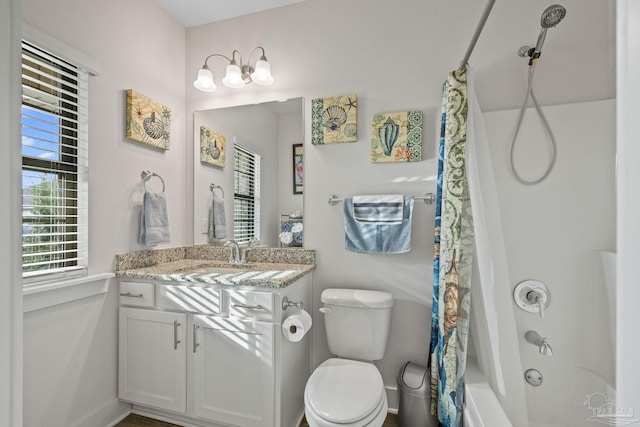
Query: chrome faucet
{"x": 234, "y": 257}
{"x": 243, "y": 257}
{"x": 536, "y": 339}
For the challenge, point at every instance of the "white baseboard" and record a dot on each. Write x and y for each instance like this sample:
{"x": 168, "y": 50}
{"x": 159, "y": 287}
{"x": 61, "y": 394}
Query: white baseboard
{"x": 392, "y": 399}
{"x": 109, "y": 414}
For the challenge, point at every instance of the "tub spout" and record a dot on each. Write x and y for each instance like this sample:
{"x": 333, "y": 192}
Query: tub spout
{"x": 541, "y": 342}
{"x": 545, "y": 348}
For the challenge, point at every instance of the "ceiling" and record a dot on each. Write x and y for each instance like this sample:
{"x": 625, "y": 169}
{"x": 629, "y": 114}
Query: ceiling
{"x": 191, "y": 13}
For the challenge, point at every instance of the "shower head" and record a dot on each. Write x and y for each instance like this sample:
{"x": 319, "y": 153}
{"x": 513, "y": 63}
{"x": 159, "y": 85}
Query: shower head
{"x": 549, "y": 19}
{"x": 552, "y": 16}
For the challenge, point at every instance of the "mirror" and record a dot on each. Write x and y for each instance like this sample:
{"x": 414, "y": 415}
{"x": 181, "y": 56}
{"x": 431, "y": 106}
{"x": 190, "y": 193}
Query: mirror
{"x": 270, "y": 130}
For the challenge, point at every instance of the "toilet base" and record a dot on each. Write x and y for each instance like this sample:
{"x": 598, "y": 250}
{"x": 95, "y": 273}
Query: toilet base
{"x": 314, "y": 421}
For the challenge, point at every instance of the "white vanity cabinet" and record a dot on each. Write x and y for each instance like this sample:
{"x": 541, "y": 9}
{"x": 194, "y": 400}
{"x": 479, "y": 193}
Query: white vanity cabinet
{"x": 213, "y": 356}
{"x": 234, "y": 375}
{"x": 152, "y": 358}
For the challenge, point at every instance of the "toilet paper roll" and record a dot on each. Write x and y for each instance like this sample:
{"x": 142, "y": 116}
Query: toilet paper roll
{"x": 296, "y": 326}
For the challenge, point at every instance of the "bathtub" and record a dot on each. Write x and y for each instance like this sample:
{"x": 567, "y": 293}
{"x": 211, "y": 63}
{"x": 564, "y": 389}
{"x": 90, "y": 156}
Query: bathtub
{"x": 482, "y": 408}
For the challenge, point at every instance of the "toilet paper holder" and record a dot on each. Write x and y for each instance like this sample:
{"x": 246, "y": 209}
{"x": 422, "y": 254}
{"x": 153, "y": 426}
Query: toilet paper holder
{"x": 286, "y": 303}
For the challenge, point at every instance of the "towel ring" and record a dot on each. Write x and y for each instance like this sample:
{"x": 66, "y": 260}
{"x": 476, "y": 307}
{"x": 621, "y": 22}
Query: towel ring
{"x": 213, "y": 187}
{"x": 146, "y": 175}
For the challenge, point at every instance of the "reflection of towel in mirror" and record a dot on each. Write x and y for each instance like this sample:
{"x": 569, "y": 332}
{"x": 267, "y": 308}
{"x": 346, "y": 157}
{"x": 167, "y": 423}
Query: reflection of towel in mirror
{"x": 154, "y": 221}
{"x": 378, "y": 238}
{"x": 217, "y": 218}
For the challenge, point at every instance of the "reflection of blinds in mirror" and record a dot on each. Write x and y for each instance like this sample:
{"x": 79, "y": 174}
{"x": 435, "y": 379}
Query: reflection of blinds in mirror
{"x": 246, "y": 197}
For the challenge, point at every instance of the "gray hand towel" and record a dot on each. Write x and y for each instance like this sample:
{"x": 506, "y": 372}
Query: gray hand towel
{"x": 154, "y": 221}
{"x": 378, "y": 238}
{"x": 217, "y": 219}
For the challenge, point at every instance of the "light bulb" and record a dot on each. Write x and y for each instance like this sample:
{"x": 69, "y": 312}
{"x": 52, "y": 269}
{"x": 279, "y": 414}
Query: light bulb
{"x": 262, "y": 74}
{"x": 205, "y": 82}
{"x": 233, "y": 78}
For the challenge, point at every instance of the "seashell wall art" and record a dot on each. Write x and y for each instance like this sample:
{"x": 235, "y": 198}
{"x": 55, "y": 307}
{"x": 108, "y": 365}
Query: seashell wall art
{"x": 213, "y": 147}
{"x": 147, "y": 121}
{"x": 396, "y": 137}
{"x": 333, "y": 120}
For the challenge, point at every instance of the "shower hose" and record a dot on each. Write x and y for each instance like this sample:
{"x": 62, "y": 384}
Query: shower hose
{"x": 552, "y": 138}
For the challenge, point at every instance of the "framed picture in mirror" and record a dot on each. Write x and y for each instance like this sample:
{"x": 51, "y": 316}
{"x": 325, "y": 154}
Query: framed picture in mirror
{"x": 298, "y": 169}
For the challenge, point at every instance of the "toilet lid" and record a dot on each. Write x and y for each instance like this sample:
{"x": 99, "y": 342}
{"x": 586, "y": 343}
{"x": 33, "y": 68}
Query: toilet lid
{"x": 344, "y": 391}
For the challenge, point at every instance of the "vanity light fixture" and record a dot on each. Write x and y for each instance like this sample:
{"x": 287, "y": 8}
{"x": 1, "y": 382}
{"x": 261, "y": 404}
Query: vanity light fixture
{"x": 238, "y": 74}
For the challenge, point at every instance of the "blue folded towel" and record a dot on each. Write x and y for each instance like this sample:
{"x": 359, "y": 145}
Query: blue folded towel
{"x": 154, "y": 220}
{"x": 217, "y": 218}
{"x": 285, "y": 227}
{"x": 383, "y": 209}
{"x": 378, "y": 238}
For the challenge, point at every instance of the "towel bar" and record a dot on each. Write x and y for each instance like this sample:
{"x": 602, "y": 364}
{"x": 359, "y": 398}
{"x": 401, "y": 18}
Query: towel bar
{"x": 429, "y": 198}
{"x": 146, "y": 175}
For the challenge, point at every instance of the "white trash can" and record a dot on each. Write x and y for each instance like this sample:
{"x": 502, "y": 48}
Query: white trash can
{"x": 413, "y": 397}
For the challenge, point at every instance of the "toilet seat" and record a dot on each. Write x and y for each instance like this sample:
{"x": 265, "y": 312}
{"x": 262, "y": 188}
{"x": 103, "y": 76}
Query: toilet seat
{"x": 345, "y": 393}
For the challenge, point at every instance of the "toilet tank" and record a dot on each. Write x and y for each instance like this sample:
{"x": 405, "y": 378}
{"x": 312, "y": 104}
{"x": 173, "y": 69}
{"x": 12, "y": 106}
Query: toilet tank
{"x": 357, "y": 322}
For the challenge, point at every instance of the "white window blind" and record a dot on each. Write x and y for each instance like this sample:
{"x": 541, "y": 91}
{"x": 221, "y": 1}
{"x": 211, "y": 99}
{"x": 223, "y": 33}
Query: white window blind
{"x": 246, "y": 198}
{"x": 54, "y": 166}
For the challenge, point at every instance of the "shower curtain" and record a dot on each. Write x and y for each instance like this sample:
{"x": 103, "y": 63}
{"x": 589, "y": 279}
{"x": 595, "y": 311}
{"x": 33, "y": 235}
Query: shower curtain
{"x": 469, "y": 242}
{"x": 453, "y": 258}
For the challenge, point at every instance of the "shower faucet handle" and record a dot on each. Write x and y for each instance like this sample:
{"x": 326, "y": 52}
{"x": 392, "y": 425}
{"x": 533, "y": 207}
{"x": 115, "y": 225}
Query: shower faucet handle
{"x": 532, "y": 296}
{"x": 537, "y": 298}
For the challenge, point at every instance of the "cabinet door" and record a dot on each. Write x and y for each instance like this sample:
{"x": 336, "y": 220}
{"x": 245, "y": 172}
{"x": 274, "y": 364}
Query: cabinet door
{"x": 234, "y": 371}
{"x": 152, "y": 358}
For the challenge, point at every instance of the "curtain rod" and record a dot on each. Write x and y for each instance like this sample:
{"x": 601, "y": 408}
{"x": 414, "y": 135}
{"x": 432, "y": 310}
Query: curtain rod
{"x": 476, "y": 34}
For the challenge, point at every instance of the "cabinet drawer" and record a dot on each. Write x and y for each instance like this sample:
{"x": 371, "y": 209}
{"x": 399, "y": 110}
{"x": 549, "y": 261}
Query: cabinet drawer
{"x": 251, "y": 304}
{"x": 191, "y": 298}
{"x": 139, "y": 294}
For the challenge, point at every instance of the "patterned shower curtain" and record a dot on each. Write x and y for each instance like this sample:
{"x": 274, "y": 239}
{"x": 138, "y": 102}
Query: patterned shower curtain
{"x": 453, "y": 257}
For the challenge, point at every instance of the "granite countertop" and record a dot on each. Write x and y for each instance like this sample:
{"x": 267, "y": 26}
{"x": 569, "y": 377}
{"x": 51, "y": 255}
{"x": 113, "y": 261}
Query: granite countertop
{"x": 208, "y": 265}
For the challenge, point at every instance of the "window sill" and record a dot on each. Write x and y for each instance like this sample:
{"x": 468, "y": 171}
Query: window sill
{"x": 37, "y": 297}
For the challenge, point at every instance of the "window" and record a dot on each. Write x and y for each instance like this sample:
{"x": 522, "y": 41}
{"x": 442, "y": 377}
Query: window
{"x": 246, "y": 197}
{"x": 54, "y": 166}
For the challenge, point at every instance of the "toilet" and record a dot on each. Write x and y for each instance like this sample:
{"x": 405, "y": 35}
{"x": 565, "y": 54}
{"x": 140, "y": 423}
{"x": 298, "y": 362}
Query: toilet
{"x": 348, "y": 391}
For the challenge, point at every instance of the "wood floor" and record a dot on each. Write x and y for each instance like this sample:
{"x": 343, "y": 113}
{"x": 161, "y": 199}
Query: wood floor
{"x": 134, "y": 420}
